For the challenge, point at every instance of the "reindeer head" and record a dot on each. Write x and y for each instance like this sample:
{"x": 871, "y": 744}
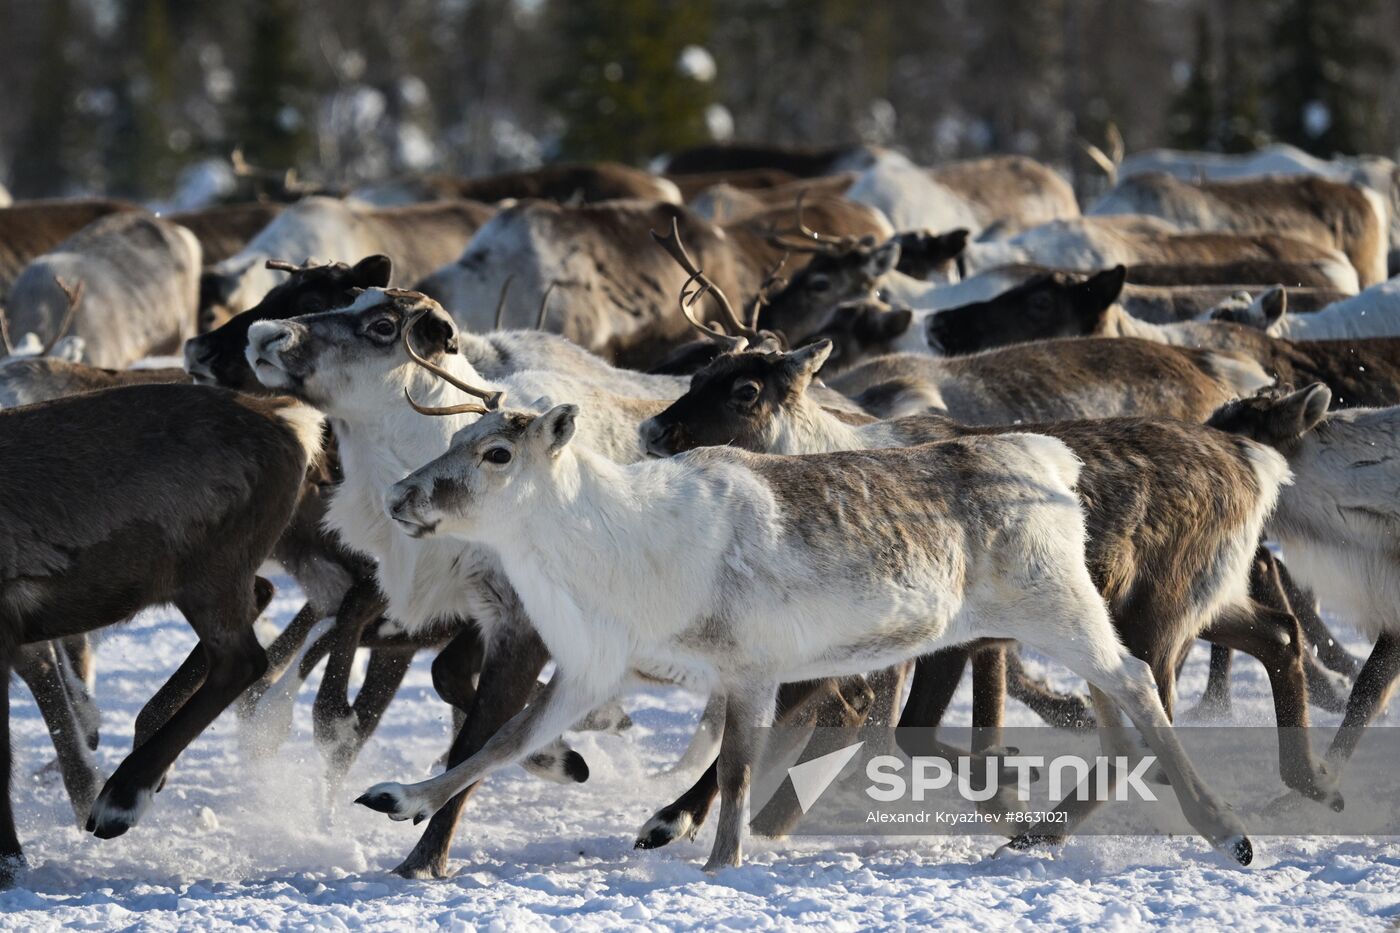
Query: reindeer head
{"x": 859, "y": 330}
{"x": 1054, "y": 304}
{"x": 740, "y": 399}
{"x": 356, "y": 360}
{"x": 1278, "y": 417}
{"x": 217, "y": 358}
{"x": 493, "y": 471}
{"x": 850, "y": 272}
{"x": 1264, "y": 313}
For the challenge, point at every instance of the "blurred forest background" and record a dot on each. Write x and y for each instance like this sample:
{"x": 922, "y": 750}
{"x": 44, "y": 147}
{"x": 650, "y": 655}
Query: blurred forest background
{"x": 137, "y": 97}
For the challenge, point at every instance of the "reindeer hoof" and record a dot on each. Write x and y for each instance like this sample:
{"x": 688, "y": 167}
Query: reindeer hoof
{"x": 1239, "y": 848}
{"x": 392, "y": 800}
{"x": 109, "y": 819}
{"x": 663, "y": 829}
{"x": 415, "y": 870}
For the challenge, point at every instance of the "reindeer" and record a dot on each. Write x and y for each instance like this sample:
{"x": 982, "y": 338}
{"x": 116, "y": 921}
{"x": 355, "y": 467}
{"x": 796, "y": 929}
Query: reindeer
{"x": 224, "y": 229}
{"x": 141, "y": 278}
{"x": 571, "y": 182}
{"x": 1336, "y": 522}
{"x": 1373, "y": 313}
{"x": 419, "y": 238}
{"x": 31, "y": 228}
{"x": 1317, "y": 210}
{"x": 810, "y": 601}
{"x": 1144, "y": 484}
{"x": 187, "y": 521}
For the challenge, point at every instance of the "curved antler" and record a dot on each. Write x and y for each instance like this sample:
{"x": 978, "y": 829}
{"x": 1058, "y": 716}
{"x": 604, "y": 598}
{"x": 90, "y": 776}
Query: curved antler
{"x": 808, "y": 240}
{"x": 492, "y": 399}
{"x": 701, "y": 283}
{"x": 5, "y": 343}
{"x": 74, "y": 294}
{"x": 501, "y": 301}
{"x": 544, "y": 306}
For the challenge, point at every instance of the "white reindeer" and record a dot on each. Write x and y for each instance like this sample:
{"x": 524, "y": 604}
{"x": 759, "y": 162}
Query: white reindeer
{"x": 724, "y": 570}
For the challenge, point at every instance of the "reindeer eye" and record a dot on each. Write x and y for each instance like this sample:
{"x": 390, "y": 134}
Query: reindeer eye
{"x": 312, "y": 304}
{"x": 384, "y": 327}
{"x": 819, "y": 283}
{"x": 746, "y": 392}
{"x": 498, "y": 455}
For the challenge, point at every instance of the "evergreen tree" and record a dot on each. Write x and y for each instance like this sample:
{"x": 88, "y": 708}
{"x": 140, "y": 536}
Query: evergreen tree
{"x": 143, "y": 161}
{"x": 1325, "y": 93}
{"x": 1195, "y": 122}
{"x": 617, "y": 83}
{"x": 40, "y": 162}
{"x": 275, "y": 92}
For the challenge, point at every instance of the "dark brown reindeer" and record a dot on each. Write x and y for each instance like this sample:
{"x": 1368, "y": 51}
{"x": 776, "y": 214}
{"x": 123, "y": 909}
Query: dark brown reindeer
{"x": 182, "y": 494}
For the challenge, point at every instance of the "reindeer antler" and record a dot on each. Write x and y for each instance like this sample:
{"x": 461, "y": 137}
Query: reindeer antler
{"x": 492, "y": 399}
{"x": 695, "y": 287}
{"x": 771, "y": 283}
{"x": 808, "y": 240}
{"x": 5, "y": 333}
{"x": 501, "y": 301}
{"x": 74, "y": 294}
{"x": 544, "y": 306}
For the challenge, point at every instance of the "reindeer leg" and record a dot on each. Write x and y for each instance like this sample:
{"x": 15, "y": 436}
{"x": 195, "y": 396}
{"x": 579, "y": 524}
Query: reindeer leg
{"x": 1304, "y": 605}
{"x": 1276, "y": 639}
{"x": 280, "y": 654}
{"x": 233, "y": 660}
{"x": 748, "y": 710}
{"x": 12, "y": 862}
{"x": 562, "y": 702}
{"x": 39, "y": 667}
{"x": 685, "y": 816}
{"x": 704, "y": 744}
{"x": 1370, "y": 695}
{"x": 513, "y": 662}
{"x": 1062, "y": 710}
{"x": 335, "y": 724}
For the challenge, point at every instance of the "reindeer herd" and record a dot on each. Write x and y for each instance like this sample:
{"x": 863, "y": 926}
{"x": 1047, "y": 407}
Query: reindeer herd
{"x": 803, "y": 432}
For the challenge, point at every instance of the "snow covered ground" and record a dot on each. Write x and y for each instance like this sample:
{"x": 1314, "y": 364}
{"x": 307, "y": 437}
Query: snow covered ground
{"x": 233, "y": 843}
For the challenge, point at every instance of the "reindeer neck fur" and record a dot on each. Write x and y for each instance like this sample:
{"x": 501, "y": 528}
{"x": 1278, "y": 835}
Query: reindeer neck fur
{"x": 424, "y": 581}
{"x": 592, "y": 547}
{"x": 804, "y": 427}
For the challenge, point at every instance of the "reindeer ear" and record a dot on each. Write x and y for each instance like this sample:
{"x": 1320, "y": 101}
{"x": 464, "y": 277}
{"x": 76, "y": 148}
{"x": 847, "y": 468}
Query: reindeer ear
{"x": 881, "y": 260}
{"x": 952, "y": 243}
{"x": 1310, "y": 406}
{"x": 1104, "y": 287}
{"x": 555, "y": 427}
{"x": 1273, "y": 304}
{"x": 808, "y": 360}
{"x": 895, "y": 323}
{"x": 372, "y": 272}
{"x": 435, "y": 331}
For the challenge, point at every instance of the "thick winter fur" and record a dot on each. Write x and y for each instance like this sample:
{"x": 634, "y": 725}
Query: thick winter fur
{"x": 1244, "y": 272}
{"x": 140, "y": 276}
{"x": 38, "y": 379}
{"x": 613, "y": 285}
{"x": 352, "y": 365}
{"x": 743, "y": 157}
{"x": 1100, "y": 242}
{"x": 1174, "y": 511}
{"x": 1013, "y": 192}
{"x": 32, "y": 228}
{"x": 573, "y": 182}
{"x": 1373, "y": 313}
{"x": 418, "y": 238}
{"x": 1378, "y": 174}
{"x": 1310, "y": 208}
{"x": 224, "y": 229}
{"x": 137, "y": 496}
{"x": 1337, "y": 523}
{"x": 795, "y": 567}
{"x": 1073, "y": 378}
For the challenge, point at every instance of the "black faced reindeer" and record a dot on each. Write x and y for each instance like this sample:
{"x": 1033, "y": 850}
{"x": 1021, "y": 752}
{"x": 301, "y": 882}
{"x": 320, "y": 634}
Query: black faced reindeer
{"x": 137, "y": 496}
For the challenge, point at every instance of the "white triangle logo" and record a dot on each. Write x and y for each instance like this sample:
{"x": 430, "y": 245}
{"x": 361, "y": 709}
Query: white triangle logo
{"x": 811, "y": 778}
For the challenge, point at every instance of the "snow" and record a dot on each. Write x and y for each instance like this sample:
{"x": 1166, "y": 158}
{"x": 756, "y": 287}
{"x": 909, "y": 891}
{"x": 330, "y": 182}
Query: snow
{"x": 231, "y": 842}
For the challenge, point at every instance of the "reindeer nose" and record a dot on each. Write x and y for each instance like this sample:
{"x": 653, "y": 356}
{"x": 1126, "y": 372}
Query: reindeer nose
{"x": 404, "y": 500}
{"x": 654, "y": 440}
